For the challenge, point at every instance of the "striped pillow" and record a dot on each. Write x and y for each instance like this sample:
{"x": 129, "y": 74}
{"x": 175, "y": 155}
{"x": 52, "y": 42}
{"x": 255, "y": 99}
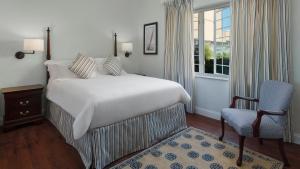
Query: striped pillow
{"x": 113, "y": 66}
{"x": 83, "y": 67}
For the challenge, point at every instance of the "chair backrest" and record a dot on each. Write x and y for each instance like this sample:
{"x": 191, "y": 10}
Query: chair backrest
{"x": 275, "y": 96}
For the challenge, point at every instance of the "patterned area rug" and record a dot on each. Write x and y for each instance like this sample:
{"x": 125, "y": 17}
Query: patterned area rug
{"x": 195, "y": 149}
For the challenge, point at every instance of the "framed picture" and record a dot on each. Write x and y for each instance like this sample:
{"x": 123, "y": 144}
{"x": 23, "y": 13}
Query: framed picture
{"x": 150, "y": 38}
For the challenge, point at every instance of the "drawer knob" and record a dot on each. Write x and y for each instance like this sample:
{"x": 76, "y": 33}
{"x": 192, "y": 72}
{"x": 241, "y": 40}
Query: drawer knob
{"x": 24, "y": 103}
{"x": 24, "y": 114}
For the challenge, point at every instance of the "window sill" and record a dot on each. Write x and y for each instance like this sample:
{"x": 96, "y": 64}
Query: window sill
{"x": 212, "y": 76}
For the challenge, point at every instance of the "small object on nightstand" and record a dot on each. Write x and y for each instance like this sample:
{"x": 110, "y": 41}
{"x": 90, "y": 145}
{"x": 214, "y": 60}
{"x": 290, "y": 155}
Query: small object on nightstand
{"x": 22, "y": 105}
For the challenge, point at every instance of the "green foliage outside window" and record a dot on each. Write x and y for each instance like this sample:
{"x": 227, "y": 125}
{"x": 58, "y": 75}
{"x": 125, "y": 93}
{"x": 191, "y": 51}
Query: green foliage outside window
{"x": 208, "y": 52}
{"x": 225, "y": 56}
{"x": 209, "y": 60}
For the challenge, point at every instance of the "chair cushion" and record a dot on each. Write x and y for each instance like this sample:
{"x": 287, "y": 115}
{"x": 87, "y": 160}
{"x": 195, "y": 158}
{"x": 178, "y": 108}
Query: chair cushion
{"x": 241, "y": 120}
{"x": 275, "y": 96}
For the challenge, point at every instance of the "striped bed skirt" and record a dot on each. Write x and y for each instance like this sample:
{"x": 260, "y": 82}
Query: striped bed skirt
{"x": 101, "y": 146}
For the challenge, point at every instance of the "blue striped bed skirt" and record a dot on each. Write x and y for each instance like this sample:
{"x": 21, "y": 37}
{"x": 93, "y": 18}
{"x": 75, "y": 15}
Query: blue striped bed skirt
{"x": 101, "y": 146}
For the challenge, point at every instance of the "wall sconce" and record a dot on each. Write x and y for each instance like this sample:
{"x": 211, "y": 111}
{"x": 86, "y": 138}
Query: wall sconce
{"x": 34, "y": 45}
{"x": 127, "y": 48}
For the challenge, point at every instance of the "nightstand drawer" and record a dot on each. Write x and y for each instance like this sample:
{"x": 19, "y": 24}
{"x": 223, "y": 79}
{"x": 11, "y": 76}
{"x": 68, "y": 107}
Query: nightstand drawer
{"x": 19, "y": 113}
{"x": 23, "y": 102}
{"x": 22, "y": 105}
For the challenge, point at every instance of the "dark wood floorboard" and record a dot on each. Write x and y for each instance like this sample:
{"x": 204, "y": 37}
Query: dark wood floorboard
{"x": 42, "y": 147}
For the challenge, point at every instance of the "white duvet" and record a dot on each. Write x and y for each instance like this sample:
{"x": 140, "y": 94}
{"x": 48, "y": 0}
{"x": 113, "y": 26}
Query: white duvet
{"x": 108, "y": 99}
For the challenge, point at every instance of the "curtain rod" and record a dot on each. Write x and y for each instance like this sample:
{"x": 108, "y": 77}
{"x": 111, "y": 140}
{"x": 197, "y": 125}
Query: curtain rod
{"x": 210, "y": 7}
{"x": 167, "y": 1}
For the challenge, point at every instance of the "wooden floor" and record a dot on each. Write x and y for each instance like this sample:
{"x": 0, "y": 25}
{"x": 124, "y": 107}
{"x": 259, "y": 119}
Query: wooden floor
{"x": 42, "y": 147}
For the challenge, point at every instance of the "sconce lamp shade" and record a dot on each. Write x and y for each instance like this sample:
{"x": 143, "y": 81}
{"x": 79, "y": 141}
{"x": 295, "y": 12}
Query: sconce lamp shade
{"x": 34, "y": 45}
{"x": 127, "y": 47}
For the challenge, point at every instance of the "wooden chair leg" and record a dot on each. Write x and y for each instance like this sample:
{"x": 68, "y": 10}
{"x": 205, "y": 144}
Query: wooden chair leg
{"x": 240, "y": 159}
{"x": 282, "y": 152}
{"x": 223, "y": 128}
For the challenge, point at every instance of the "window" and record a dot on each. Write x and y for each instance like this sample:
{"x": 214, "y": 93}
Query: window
{"x": 212, "y": 40}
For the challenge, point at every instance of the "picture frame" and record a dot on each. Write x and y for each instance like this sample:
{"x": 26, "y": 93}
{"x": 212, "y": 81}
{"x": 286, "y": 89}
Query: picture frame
{"x": 151, "y": 38}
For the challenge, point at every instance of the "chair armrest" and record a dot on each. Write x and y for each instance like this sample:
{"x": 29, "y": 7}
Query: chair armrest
{"x": 235, "y": 98}
{"x": 260, "y": 113}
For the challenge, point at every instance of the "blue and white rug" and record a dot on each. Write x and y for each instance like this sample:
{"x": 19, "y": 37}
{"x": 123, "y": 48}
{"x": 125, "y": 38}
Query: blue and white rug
{"x": 195, "y": 149}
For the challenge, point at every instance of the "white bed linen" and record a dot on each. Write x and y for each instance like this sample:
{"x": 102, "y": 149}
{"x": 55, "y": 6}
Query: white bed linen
{"x": 107, "y": 99}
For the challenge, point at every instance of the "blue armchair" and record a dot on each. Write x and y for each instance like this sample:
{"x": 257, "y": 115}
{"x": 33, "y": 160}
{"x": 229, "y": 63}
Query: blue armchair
{"x": 267, "y": 122}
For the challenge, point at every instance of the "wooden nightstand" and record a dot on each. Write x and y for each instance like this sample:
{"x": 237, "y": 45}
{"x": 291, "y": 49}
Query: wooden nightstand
{"x": 22, "y": 105}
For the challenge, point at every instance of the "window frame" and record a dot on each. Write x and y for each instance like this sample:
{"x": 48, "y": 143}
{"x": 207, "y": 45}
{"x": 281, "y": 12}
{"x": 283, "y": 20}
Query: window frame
{"x": 201, "y": 43}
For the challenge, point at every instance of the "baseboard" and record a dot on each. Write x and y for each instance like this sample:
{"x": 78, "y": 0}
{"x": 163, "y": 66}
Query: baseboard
{"x": 208, "y": 113}
{"x": 296, "y": 139}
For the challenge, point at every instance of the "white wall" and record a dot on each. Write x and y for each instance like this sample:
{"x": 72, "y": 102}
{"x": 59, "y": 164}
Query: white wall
{"x": 151, "y": 11}
{"x": 78, "y": 26}
{"x": 212, "y": 95}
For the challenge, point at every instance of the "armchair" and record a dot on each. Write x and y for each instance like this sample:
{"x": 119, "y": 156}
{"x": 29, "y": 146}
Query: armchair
{"x": 265, "y": 123}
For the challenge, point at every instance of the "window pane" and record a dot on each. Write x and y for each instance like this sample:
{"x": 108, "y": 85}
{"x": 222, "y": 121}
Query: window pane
{"x": 209, "y": 66}
{"x": 196, "y": 57}
{"x": 209, "y": 35}
{"x": 219, "y": 60}
{"x": 209, "y": 56}
{"x": 196, "y": 68}
{"x": 196, "y": 49}
{"x": 219, "y": 33}
{"x": 196, "y": 25}
{"x": 226, "y": 12}
{"x": 222, "y": 40}
{"x": 218, "y": 14}
{"x": 217, "y": 27}
{"x": 196, "y": 41}
{"x": 225, "y": 70}
{"x": 209, "y": 26}
{"x": 219, "y": 69}
{"x": 226, "y": 23}
{"x": 226, "y": 60}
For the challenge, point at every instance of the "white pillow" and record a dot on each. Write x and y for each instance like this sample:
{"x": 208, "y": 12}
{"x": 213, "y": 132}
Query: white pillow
{"x": 123, "y": 73}
{"x": 66, "y": 62}
{"x": 100, "y": 69}
{"x": 84, "y": 67}
{"x": 59, "y": 70}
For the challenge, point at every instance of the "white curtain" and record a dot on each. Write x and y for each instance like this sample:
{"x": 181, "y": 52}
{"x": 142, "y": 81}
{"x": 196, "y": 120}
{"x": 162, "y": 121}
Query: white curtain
{"x": 260, "y": 46}
{"x": 179, "y": 45}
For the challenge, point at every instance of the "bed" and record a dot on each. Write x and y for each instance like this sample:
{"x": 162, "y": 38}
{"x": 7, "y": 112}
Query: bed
{"x": 108, "y": 117}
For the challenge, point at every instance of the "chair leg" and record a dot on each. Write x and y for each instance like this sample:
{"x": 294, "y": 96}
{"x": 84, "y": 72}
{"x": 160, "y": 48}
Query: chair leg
{"x": 282, "y": 152}
{"x": 240, "y": 159}
{"x": 223, "y": 128}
